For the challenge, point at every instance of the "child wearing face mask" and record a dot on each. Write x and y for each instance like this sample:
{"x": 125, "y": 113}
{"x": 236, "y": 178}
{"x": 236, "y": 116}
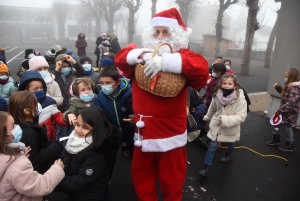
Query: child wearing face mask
{"x": 24, "y": 108}
{"x": 32, "y": 81}
{"x": 227, "y": 63}
{"x": 86, "y": 63}
{"x": 90, "y": 151}
{"x": 39, "y": 64}
{"x": 288, "y": 109}
{"x": 7, "y": 86}
{"x": 29, "y": 54}
{"x": 19, "y": 180}
{"x": 227, "y": 111}
{"x": 82, "y": 96}
{"x": 115, "y": 99}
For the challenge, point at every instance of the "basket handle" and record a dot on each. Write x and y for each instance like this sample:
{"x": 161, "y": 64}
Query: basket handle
{"x": 159, "y": 45}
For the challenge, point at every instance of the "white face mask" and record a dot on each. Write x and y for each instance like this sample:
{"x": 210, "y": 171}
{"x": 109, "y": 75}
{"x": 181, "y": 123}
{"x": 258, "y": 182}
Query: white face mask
{"x": 3, "y": 77}
{"x": 87, "y": 67}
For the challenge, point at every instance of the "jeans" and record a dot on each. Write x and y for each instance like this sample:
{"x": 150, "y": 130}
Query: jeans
{"x": 211, "y": 151}
{"x": 288, "y": 129}
{"x": 63, "y": 131}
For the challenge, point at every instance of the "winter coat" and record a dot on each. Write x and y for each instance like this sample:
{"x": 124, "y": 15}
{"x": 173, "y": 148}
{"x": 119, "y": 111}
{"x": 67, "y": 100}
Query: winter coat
{"x": 289, "y": 104}
{"x": 232, "y": 116}
{"x": 81, "y": 45}
{"x": 114, "y": 46}
{"x": 209, "y": 92}
{"x": 98, "y": 42}
{"x": 53, "y": 89}
{"x": 43, "y": 153}
{"x": 76, "y": 105}
{"x": 64, "y": 85}
{"x": 165, "y": 126}
{"x": 19, "y": 182}
{"x": 7, "y": 89}
{"x": 118, "y": 107}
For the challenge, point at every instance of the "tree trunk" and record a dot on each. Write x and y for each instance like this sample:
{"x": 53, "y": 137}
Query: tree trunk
{"x": 219, "y": 30}
{"x": 111, "y": 23}
{"x": 131, "y": 26}
{"x": 153, "y": 9}
{"x": 252, "y": 26}
{"x": 98, "y": 27}
{"x": 270, "y": 46}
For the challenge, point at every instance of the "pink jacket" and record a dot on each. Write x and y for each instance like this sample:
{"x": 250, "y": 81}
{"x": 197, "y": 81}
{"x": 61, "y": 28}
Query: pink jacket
{"x": 19, "y": 182}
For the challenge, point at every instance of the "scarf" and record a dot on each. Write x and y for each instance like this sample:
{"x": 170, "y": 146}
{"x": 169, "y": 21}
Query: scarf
{"x": 4, "y": 81}
{"x": 225, "y": 100}
{"x": 90, "y": 72}
{"x": 76, "y": 144}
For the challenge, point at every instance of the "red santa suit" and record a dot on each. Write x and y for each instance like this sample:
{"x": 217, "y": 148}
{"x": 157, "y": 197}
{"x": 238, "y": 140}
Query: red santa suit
{"x": 163, "y": 138}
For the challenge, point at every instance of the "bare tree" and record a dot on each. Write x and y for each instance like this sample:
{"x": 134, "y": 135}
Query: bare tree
{"x": 186, "y": 8}
{"x": 252, "y": 26}
{"x": 110, "y": 7}
{"x": 96, "y": 8}
{"x": 60, "y": 10}
{"x": 133, "y": 7}
{"x": 153, "y": 9}
{"x": 219, "y": 24}
{"x": 84, "y": 20}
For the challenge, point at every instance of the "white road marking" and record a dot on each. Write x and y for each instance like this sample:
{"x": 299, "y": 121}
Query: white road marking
{"x": 15, "y": 57}
{"x": 6, "y": 47}
{"x": 12, "y": 49}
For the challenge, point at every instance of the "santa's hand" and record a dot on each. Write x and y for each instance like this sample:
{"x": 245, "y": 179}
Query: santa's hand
{"x": 153, "y": 66}
{"x": 134, "y": 56}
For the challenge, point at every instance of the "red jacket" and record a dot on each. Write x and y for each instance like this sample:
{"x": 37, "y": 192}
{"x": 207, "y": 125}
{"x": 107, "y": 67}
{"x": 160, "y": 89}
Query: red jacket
{"x": 166, "y": 128}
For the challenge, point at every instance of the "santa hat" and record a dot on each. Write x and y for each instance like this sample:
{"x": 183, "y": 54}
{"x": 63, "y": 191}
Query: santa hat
{"x": 275, "y": 120}
{"x": 168, "y": 18}
{"x": 37, "y": 62}
{"x": 103, "y": 34}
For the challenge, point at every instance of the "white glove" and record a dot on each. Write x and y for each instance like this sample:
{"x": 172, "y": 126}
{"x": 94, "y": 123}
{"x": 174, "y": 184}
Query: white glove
{"x": 153, "y": 66}
{"x": 146, "y": 56}
{"x": 134, "y": 56}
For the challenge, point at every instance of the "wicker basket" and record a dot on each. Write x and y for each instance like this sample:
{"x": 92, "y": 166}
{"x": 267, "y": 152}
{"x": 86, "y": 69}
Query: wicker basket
{"x": 163, "y": 84}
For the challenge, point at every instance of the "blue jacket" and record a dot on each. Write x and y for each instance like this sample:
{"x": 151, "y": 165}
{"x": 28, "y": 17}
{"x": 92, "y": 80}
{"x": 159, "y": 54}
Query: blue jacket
{"x": 118, "y": 107}
{"x": 3, "y": 104}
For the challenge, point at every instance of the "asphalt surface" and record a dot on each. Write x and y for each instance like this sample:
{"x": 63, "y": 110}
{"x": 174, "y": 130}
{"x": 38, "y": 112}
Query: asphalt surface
{"x": 248, "y": 177}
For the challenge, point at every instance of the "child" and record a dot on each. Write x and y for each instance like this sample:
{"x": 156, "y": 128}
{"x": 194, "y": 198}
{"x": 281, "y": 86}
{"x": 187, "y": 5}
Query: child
{"x": 32, "y": 81}
{"x": 116, "y": 100}
{"x": 227, "y": 111}
{"x": 86, "y": 63}
{"x": 83, "y": 96}
{"x": 23, "y": 106}
{"x": 39, "y": 64}
{"x": 7, "y": 86}
{"x": 19, "y": 181}
{"x": 29, "y": 54}
{"x": 87, "y": 157}
{"x": 289, "y": 108}
{"x": 227, "y": 63}
{"x": 218, "y": 59}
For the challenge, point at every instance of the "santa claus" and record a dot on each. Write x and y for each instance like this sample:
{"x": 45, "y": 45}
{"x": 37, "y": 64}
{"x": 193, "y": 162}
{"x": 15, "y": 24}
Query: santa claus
{"x": 161, "y": 133}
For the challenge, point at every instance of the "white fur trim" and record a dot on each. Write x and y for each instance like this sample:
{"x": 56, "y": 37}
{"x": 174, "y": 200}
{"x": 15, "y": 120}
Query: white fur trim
{"x": 133, "y": 56}
{"x": 162, "y": 145}
{"x": 171, "y": 63}
{"x": 164, "y": 22}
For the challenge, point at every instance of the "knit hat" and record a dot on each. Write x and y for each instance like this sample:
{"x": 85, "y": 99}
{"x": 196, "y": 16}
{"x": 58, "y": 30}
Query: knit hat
{"x": 37, "y": 62}
{"x": 107, "y": 62}
{"x": 84, "y": 59}
{"x": 61, "y": 57}
{"x": 28, "y": 51}
{"x": 29, "y": 76}
{"x": 3, "y": 68}
{"x": 50, "y": 57}
{"x": 168, "y": 18}
{"x": 55, "y": 48}
{"x": 25, "y": 64}
{"x": 103, "y": 34}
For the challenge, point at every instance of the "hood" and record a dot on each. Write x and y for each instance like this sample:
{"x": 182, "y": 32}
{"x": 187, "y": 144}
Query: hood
{"x": 29, "y": 76}
{"x": 294, "y": 84}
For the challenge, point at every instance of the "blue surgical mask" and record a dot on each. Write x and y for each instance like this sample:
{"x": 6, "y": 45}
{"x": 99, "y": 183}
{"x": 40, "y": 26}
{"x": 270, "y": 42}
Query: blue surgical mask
{"x": 39, "y": 109}
{"x": 213, "y": 74}
{"x": 31, "y": 56}
{"x": 108, "y": 89}
{"x": 3, "y": 77}
{"x": 17, "y": 133}
{"x": 66, "y": 71}
{"x": 44, "y": 73}
{"x": 227, "y": 67}
{"x": 87, "y": 98}
{"x": 87, "y": 67}
{"x": 39, "y": 94}
{"x": 285, "y": 79}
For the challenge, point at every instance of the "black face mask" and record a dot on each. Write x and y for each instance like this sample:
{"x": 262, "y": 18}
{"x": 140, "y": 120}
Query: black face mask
{"x": 227, "y": 92}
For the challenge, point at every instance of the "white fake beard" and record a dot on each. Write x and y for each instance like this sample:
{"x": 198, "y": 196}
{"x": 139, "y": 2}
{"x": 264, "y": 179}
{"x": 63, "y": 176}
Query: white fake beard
{"x": 178, "y": 40}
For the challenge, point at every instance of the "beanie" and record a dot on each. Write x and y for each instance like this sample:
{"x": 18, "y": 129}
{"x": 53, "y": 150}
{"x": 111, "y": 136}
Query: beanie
{"x": 37, "y": 62}
{"x": 50, "y": 57}
{"x": 25, "y": 64}
{"x": 3, "y": 68}
{"x": 55, "y": 48}
{"x": 107, "y": 62}
{"x": 61, "y": 57}
{"x": 28, "y": 51}
{"x": 84, "y": 59}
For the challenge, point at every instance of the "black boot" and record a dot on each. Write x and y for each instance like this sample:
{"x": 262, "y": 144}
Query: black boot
{"x": 287, "y": 147}
{"x": 227, "y": 158}
{"x": 203, "y": 172}
{"x": 275, "y": 141}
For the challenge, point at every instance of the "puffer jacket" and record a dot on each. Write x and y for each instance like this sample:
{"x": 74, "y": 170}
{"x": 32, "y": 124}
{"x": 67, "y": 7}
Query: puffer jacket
{"x": 231, "y": 115}
{"x": 7, "y": 89}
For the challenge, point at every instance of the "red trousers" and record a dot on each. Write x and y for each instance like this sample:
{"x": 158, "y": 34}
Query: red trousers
{"x": 169, "y": 167}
